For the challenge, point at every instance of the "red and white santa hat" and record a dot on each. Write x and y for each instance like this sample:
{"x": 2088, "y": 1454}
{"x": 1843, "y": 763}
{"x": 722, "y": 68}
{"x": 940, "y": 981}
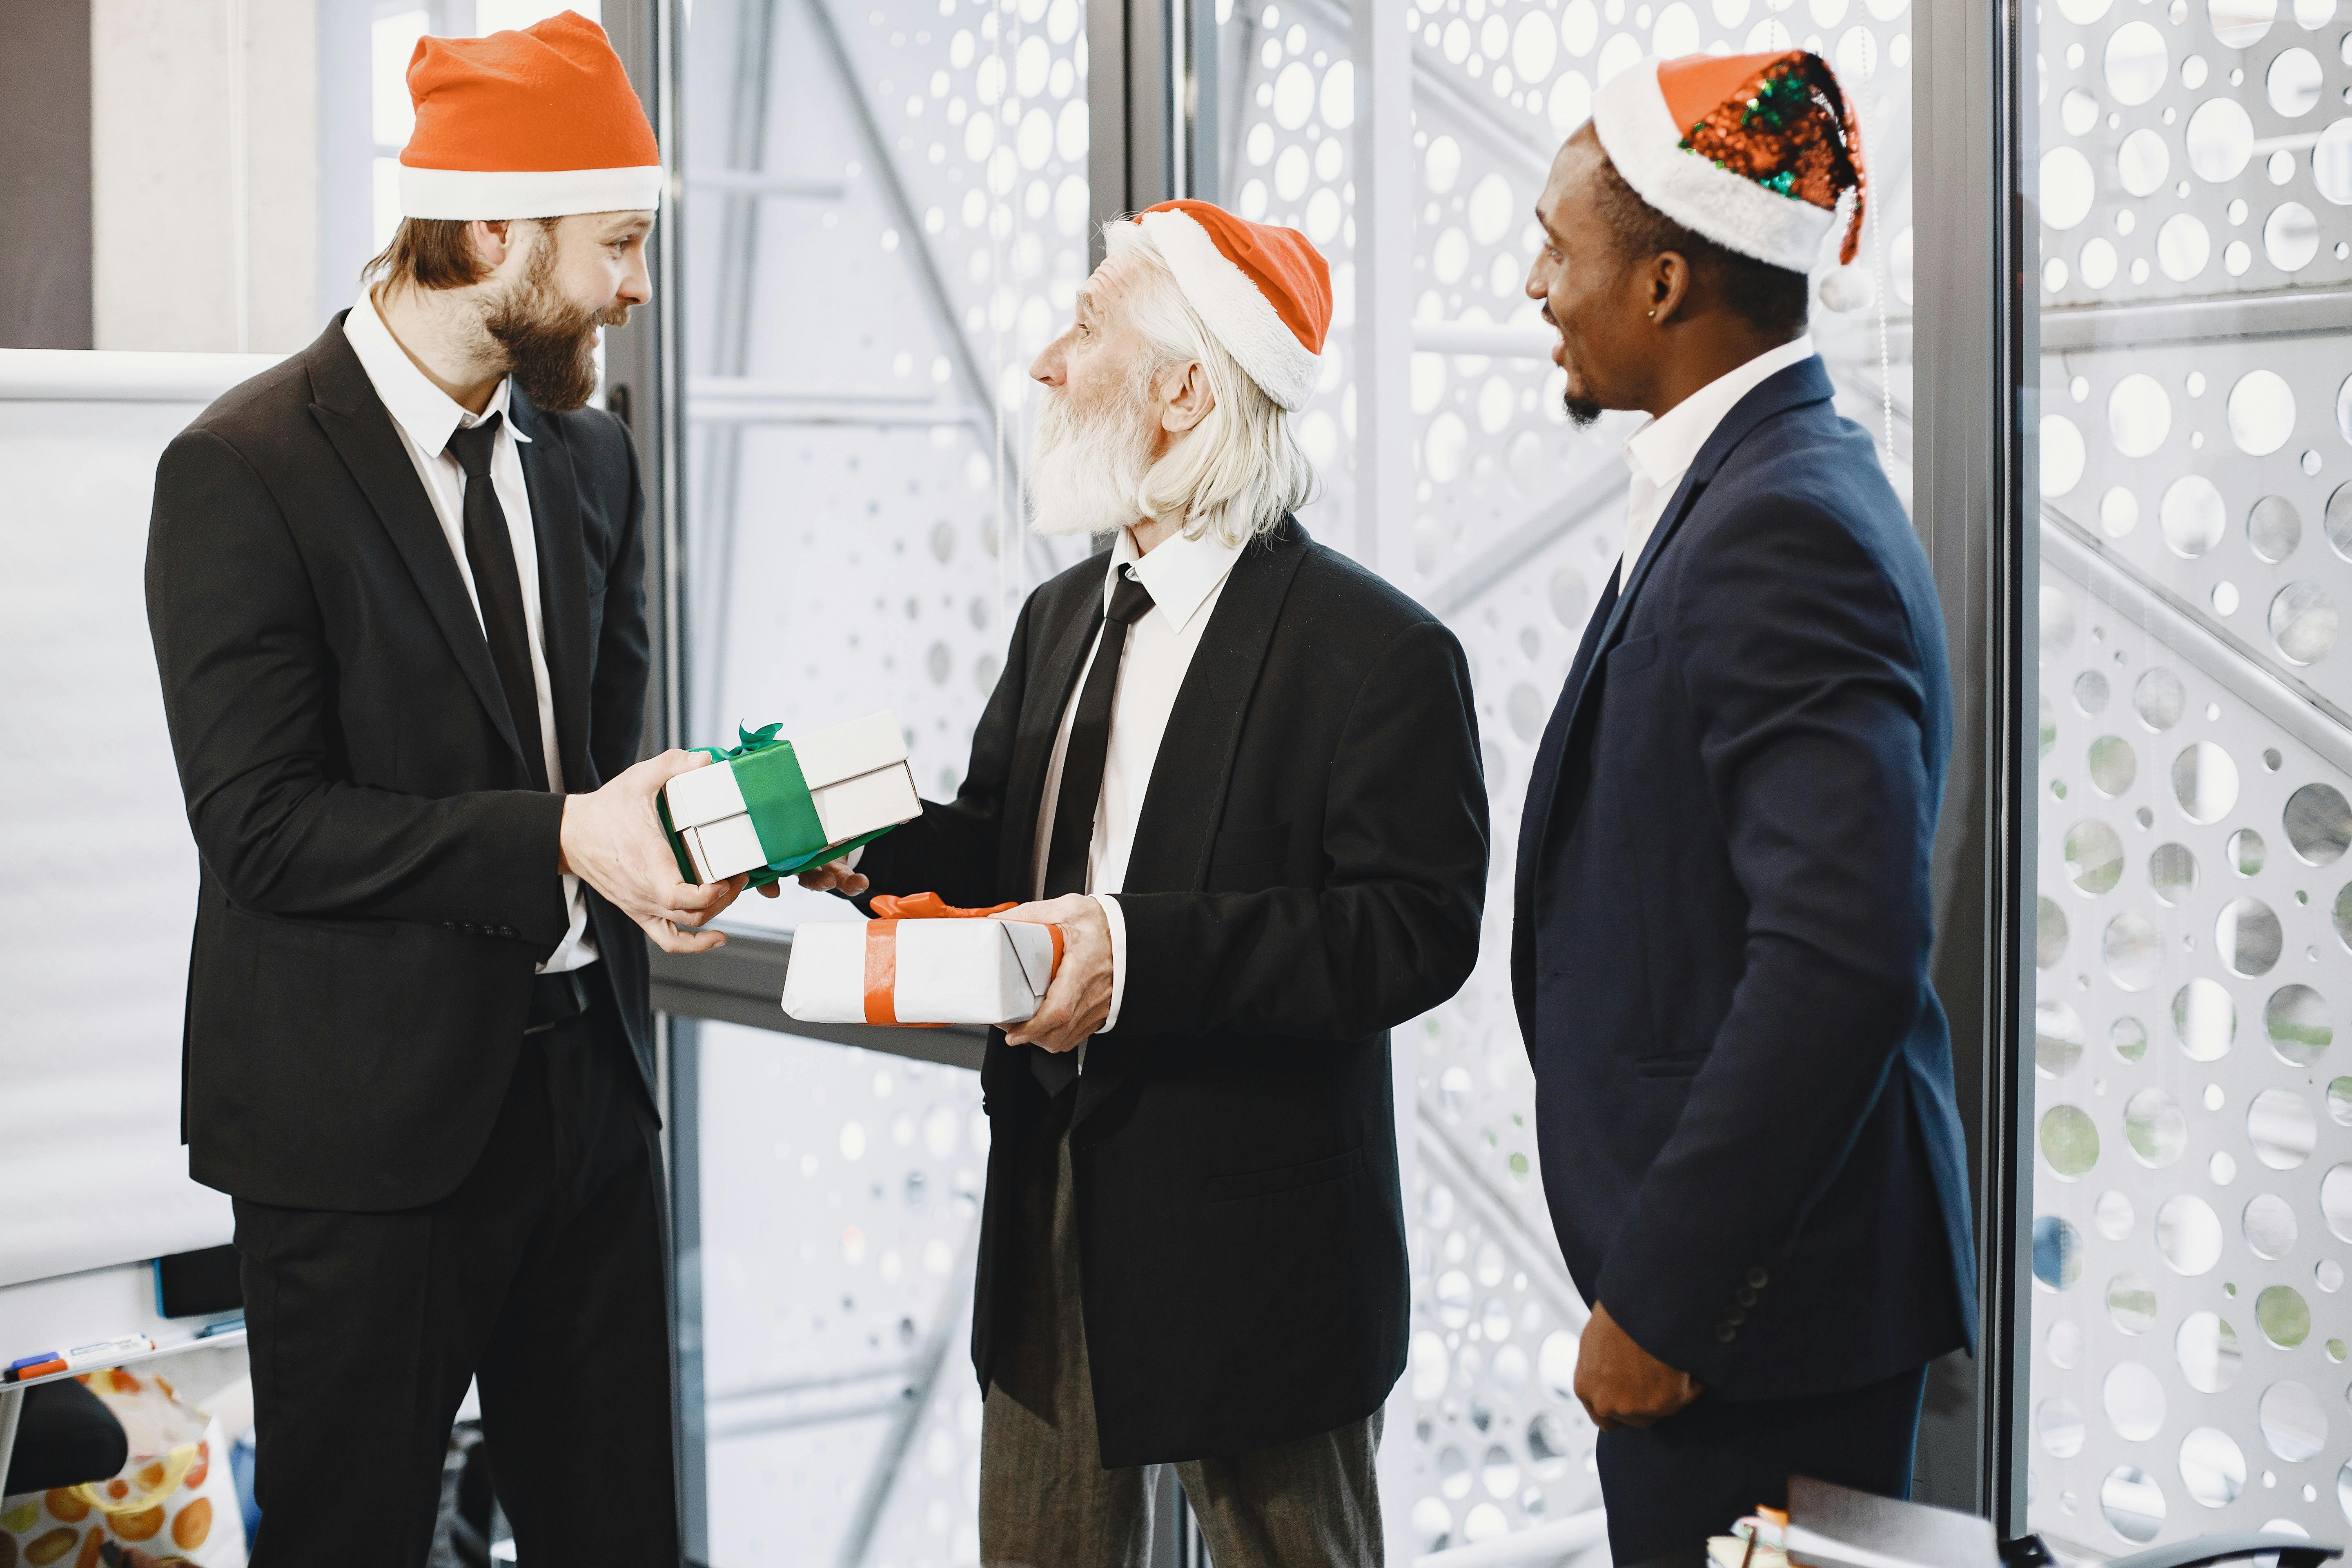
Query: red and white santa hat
{"x": 536, "y": 123}
{"x": 1757, "y": 153}
{"x": 1265, "y": 291}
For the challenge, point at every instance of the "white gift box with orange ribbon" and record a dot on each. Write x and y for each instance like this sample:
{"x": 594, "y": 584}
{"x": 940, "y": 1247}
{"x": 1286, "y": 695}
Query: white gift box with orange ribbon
{"x": 919, "y": 970}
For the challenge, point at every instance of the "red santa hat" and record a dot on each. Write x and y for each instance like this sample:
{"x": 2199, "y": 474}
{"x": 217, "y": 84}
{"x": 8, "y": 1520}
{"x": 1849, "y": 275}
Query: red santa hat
{"x": 1265, "y": 291}
{"x": 1757, "y": 152}
{"x": 536, "y": 123}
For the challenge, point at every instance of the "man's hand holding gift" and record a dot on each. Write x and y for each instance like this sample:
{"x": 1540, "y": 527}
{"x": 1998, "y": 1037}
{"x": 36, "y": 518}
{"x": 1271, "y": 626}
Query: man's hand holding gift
{"x": 613, "y": 840}
{"x": 1078, "y": 1001}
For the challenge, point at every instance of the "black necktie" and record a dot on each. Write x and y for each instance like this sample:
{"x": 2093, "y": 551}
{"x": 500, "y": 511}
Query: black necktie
{"x": 497, "y": 587}
{"x": 1072, "y": 845}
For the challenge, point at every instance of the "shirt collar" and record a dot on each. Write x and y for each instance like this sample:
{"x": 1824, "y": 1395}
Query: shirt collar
{"x": 426, "y": 413}
{"x": 1663, "y": 449}
{"x": 1179, "y": 573}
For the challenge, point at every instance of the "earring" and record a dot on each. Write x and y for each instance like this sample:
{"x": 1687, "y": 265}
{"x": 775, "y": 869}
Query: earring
{"x": 1653, "y": 315}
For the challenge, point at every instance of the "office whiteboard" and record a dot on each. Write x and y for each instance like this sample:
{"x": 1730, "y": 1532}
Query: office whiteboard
{"x": 98, "y": 874}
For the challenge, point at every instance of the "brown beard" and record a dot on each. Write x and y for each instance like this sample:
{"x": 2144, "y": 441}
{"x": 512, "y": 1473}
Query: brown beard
{"x": 549, "y": 341}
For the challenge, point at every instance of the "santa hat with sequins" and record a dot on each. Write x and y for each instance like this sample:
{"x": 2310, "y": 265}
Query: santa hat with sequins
{"x": 1760, "y": 153}
{"x": 1265, "y": 291}
{"x": 536, "y": 123}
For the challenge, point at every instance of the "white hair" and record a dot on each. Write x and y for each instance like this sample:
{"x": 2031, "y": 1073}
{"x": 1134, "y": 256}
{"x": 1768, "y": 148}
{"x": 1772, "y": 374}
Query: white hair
{"x": 1239, "y": 469}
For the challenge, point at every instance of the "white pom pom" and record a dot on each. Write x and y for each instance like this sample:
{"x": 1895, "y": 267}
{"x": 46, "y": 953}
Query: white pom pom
{"x": 1847, "y": 290}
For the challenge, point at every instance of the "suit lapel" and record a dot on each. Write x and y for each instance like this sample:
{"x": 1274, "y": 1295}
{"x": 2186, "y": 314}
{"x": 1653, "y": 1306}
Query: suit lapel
{"x": 356, "y": 421}
{"x": 1177, "y": 828}
{"x": 563, "y": 580}
{"x": 1805, "y": 381}
{"x": 1032, "y": 744}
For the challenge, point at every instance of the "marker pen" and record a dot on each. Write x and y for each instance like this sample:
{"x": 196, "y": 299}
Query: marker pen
{"x": 80, "y": 1357}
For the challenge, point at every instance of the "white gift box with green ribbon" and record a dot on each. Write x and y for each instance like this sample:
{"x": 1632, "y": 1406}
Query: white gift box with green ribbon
{"x": 773, "y": 806}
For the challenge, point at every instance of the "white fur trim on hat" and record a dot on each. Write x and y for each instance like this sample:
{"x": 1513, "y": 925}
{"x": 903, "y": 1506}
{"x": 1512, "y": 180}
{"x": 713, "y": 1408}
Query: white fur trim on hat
{"x": 1243, "y": 318}
{"x": 547, "y": 193}
{"x": 1639, "y": 134}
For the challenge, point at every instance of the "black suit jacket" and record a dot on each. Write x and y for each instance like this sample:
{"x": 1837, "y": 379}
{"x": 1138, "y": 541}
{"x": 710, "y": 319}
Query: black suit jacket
{"x": 379, "y": 877}
{"x": 1743, "y": 1081}
{"x": 1309, "y": 871}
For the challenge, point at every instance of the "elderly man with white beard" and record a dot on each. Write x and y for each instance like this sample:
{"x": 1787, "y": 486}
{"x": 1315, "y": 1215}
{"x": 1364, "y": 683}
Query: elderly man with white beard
{"x": 1241, "y": 773}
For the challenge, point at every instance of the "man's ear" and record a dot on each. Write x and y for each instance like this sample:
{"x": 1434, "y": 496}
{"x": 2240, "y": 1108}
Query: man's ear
{"x": 1669, "y": 285}
{"x": 1187, "y": 399}
{"x": 493, "y": 240}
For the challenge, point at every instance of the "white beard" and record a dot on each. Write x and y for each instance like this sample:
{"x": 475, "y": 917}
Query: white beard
{"x": 1086, "y": 468}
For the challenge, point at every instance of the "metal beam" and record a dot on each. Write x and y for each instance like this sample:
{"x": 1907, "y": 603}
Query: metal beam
{"x": 731, "y": 336}
{"x": 758, "y": 182}
{"x": 1523, "y": 541}
{"x": 1547, "y": 1274}
{"x": 932, "y": 282}
{"x": 929, "y": 1363}
{"x": 2254, "y": 679}
{"x": 1537, "y": 1546}
{"x": 2285, "y": 313}
{"x": 1973, "y": 157}
{"x": 714, "y": 400}
{"x": 1495, "y": 340}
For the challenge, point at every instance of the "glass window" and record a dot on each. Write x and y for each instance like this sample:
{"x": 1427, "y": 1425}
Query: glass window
{"x": 2190, "y": 1206}
{"x": 887, "y": 220}
{"x": 840, "y": 1216}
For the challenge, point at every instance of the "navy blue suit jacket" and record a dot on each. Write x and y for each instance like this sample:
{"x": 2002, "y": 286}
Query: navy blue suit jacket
{"x": 1743, "y": 1080}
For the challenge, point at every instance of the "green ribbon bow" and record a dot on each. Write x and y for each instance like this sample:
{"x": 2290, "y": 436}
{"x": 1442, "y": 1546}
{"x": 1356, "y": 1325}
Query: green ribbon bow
{"x": 784, "y": 813}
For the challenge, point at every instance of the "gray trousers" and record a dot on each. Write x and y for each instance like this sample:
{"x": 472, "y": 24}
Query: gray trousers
{"x": 1045, "y": 1500}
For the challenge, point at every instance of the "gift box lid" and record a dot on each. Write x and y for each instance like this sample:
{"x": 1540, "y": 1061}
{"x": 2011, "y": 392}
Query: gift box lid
{"x": 825, "y": 757}
{"x": 845, "y": 750}
{"x": 705, "y": 796}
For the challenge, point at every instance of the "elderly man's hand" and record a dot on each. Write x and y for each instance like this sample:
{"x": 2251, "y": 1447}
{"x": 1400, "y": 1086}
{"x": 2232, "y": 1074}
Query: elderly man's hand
{"x": 613, "y": 840}
{"x": 1079, "y": 999}
{"x": 1621, "y": 1385}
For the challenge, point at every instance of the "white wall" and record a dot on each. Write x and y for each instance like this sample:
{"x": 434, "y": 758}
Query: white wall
{"x": 204, "y": 184}
{"x": 94, "y": 847}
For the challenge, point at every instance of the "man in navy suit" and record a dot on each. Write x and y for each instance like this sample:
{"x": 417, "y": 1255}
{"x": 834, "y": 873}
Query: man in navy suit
{"x": 1744, "y": 1084}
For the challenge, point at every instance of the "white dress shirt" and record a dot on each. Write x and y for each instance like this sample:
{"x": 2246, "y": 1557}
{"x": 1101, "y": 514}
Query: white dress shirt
{"x": 1662, "y": 451}
{"x": 1184, "y": 577}
{"x": 425, "y": 418}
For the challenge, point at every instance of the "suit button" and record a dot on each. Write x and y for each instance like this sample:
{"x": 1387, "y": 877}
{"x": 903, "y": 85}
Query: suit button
{"x": 1744, "y": 1296}
{"x": 506, "y": 931}
{"x": 1734, "y": 1318}
{"x": 1758, "y": 1279}
{"x": 1726, "y": 1333}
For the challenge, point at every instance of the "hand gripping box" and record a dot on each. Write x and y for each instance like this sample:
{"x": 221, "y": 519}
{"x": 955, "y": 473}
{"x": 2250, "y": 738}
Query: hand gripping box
{"x": 777, "y": 807}
{"x": 919, "y": 970}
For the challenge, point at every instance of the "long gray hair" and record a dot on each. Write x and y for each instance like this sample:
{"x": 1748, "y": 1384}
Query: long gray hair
{"x": 1237, "y": 471}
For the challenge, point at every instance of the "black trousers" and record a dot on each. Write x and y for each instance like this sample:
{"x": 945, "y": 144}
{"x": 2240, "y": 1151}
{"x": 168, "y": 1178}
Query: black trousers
{"x": 1669, "y": 1486}
{"x": 543, "y": 1274}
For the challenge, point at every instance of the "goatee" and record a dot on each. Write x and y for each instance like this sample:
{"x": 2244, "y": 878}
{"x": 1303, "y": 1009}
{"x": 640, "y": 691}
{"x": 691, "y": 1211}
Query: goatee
{"x": 1087, "y": 465}
{"x": 1580, "y": 413}
{"x": 549, "y": 341}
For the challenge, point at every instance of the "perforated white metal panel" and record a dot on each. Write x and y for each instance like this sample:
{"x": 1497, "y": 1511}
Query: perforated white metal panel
{"x": 2193, "y": 1197}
